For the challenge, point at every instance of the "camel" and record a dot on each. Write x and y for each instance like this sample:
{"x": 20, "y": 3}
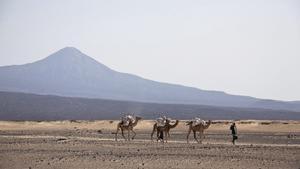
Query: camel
{"x": 165, "y": 129}
{"x": 200, "y": 127}
{"x": 128, "y": 128}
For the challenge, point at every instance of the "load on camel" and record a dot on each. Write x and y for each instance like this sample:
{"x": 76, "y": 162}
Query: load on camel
{"x": 128, "y": 122}
{"x": 195, "y": 125}
{"x": 128, "y": 119}
{"x": 197, "y": 121}
{"x": 162, "y": 127}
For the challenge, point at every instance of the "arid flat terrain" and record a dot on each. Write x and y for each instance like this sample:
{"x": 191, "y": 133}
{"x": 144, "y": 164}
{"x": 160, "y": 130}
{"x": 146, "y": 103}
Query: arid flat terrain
{"x": 90, "y": 144}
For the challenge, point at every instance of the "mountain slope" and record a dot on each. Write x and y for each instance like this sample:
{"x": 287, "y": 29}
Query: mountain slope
{"x": 20, "y": 106}
{"x": 69, "y": 72}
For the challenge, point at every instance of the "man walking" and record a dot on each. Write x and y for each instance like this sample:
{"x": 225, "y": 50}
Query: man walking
{"x": 233, "y": 132}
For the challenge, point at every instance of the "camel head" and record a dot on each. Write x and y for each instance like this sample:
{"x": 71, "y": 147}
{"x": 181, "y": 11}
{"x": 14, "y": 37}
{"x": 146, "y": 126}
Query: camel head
{"x": 188, "y": 123}
{"x": 208, "y": 124}
{"x": 176, "y": 122}
{"x": 138, "y": 118}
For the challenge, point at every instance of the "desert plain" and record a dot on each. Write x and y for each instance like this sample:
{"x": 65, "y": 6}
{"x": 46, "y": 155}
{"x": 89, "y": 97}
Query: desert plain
{"x": 91, "y": 144}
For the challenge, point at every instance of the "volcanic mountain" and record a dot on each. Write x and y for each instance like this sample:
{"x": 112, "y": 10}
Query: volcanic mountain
{"x": 69, "y": 72}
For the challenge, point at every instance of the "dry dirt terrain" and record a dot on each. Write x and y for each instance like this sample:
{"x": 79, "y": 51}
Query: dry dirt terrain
{"x": 90, "y": 144}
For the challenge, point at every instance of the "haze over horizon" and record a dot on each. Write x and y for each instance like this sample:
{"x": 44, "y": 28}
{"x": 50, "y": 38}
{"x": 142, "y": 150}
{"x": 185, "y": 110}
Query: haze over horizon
{"x": 239, "y": 47}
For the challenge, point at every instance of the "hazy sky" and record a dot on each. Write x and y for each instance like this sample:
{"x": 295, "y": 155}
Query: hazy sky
{"x": 249, "y": 47}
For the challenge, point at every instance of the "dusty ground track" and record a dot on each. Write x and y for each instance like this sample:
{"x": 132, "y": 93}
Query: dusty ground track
{"x": 90, "y": 144}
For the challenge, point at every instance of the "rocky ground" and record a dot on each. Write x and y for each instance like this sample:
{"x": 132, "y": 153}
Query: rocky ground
{"x": 83, "y": 144}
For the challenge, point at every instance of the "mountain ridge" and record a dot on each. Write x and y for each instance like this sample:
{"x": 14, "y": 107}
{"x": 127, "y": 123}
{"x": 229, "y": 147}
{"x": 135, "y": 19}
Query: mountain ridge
{"x": 69, "y": 72}
{"x": 22, "y": 106}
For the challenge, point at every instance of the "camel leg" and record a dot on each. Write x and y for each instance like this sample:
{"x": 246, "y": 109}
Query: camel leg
{"x": 116, "y": 134}
{"x": 187, "y": 137}
{"x": 154, "y": 128}
{"x": 201, "y": 136}
{"x": 133, "y": 134}
{"x": 195, "y": 136}
{"x": 166, "y": 136}
{"x": 128, "y": 135}
{"x": 122, "y": 131}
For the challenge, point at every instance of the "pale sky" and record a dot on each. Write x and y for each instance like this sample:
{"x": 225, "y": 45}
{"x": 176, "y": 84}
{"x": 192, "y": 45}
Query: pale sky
{"x": 244, "y": 47}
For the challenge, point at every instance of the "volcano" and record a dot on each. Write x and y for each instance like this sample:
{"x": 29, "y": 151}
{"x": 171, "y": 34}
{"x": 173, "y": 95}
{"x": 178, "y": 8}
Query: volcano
{"x": 69, "y": 72}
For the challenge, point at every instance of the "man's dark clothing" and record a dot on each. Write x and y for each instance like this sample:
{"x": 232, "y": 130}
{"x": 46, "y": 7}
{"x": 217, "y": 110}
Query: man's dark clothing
{"x": 234, "y": 133}
{"x": 233, "y": 129}
{"x": 161, "y": 135}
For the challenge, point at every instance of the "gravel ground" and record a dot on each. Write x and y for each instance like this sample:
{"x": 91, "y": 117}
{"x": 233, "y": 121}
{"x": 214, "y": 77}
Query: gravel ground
{"x": 89, "y": 148}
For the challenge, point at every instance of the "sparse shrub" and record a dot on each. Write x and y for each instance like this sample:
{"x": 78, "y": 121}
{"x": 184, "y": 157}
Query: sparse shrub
{"x": 265, "y": 123}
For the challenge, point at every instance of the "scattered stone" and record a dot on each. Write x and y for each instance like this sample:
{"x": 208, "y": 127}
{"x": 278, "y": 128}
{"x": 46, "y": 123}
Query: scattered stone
{"x": 61, "y": 139}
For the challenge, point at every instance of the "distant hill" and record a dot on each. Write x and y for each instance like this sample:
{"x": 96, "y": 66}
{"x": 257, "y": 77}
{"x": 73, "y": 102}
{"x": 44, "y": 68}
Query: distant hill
{"x": 71, "y": 73}
{"x": 20, "y": 106}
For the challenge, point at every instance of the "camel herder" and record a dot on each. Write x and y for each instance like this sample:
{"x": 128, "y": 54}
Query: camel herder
{"x": 233, "y": 132}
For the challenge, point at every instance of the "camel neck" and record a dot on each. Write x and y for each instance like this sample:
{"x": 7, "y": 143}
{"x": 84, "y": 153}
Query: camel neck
{"x": 135, "y": 122}
{"x": 174, "y": 125}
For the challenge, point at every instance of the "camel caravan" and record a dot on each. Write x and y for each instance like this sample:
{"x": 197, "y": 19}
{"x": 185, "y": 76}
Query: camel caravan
{"x": 162, "y": 127}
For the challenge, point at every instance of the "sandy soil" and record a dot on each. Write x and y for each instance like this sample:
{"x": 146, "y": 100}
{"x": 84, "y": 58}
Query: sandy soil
{"x": 90, "y": 144}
